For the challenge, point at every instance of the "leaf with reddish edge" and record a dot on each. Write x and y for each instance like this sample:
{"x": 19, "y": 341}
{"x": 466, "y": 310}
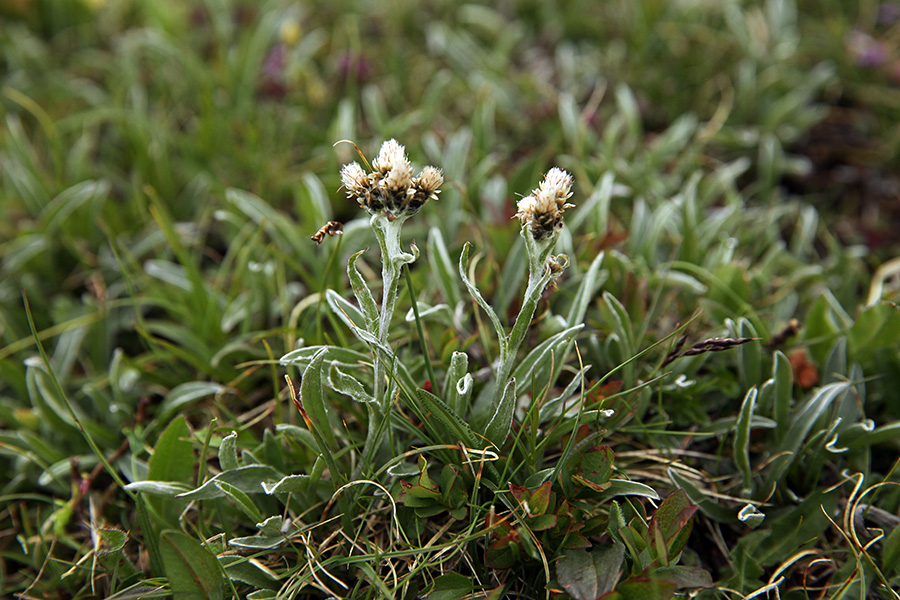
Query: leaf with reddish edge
{"x": 540, "y": 499}
{"x": 672, "y": 521}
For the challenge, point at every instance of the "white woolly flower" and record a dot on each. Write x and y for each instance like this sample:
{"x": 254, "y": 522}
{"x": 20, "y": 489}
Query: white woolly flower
{"x": 390, "y": 189}
{"x": 542, "y": 211}
{"x": 353, "y": 177}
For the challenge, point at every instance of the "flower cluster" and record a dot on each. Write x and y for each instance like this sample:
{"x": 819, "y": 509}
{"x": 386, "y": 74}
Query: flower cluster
{"x": 390, "y": 189}
{"x": 543, "y": 209}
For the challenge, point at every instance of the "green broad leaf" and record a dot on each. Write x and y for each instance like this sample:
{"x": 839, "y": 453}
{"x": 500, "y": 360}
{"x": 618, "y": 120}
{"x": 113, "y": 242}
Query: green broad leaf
{"x": 540, "y": 499}
{"x": 684, "y": 577}
{"x": 742, "y": 437}
{"x": 228, "y": 458}
{"x": 168, "y": 489}
{"x": 459, "y": 430}
{"x": 110, "y": 541}
{"x": 304, "y": 435}
{"x": 644, "y": 588}
{"x": 451, "y": 586}
{"x": 353, "y": 318}
{"x": 363, "y": 294}
{"x": 173, "y": 457}
{"x": 442, "y": 266}
{"x": 318, "y": 198}
{"x": 333, "y": 354}
{"x": 312, "y": 397}
{"x": 809, "y": 412}
{"x": 172, "y": 461}
{"x": 192, "y": 571}
{"x": 590, "y": 283}
{"x": 820, "y": 328}
{"x": 476, "y": 295}
{"x": 622, "y": 487}
{"x": 877, "y": 328}
{"x": 348, "y": 385}
{"x": 242, "y": 500}
{"x": 890, "y": 555}
{"x": 249, "y": 479}
{"x": 596, "y": 463}
{"x": 291, "y": 483}
{"x": 263, "y": 595}
{"x": 589, "y": 575}
{"x": 249, "y": 571}
{"x": 673, "y": 522}
{"x": 538, "y": 360}
{"x": 543, "y": 522}
{"x": 181, "y": 396}
{"x": 258, "y": 542}
{"x": 501, "y": 421}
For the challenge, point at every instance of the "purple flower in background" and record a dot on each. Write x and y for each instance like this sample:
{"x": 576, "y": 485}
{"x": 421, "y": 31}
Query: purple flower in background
{"x": 868, "y": 52}
{"x": 353, "y": 65}
{"x": 272, "y": 83}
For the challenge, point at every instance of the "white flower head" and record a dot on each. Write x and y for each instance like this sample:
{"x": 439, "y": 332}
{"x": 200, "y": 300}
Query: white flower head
{"x": 353, "y": 177}
{"x": 542, "y": 211}
{"x": 393, "y": 164}
{"x": 390, "y": 189}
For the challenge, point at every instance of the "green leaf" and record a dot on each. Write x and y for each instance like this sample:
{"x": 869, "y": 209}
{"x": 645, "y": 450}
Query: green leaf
{"x": 672, "y": 520}
{"x": 251, "y": 572}
{"x": 644, "y": 588}
{"x": 749, "y": 353}
{"x": 476, "y": 295}
{"x": 451, "y": 586}
{"x": 312, "y": 397}
{"x": 590, "y": 575}
{"x": 109, "y": 541}
{"x": 291, "y": 483}
{"x": 742, "y": 437}
{"x": 172, "y": 461}
{"x": 684, "y": 577}
{"x": 442, "y": 267}
{"x": 890, "y": 556}
{"x": 454, "y": 394}
{"x": 348, "y": 385}
{"x": 363, "y": 294}
{"x": 501, "y": 421}
{"x": 228, "y": 458}
{"x": 459, "y": 429}
{"x": 247, "y": 479}
{"x": 622, "y": 487}
{"x": 181, "y": 396}
{"x": 241, "y": 499}
{"x": 784, "y": 385}
{"x": 875, "y": 329}
{"x": 192, "y": 571}
{"x": 158, "y": 488}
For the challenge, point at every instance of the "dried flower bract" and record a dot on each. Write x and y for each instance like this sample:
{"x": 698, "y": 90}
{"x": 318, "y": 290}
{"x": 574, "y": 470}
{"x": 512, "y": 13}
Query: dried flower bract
{"x": 390, "y": 189}
{"x": 543, "y": 209}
